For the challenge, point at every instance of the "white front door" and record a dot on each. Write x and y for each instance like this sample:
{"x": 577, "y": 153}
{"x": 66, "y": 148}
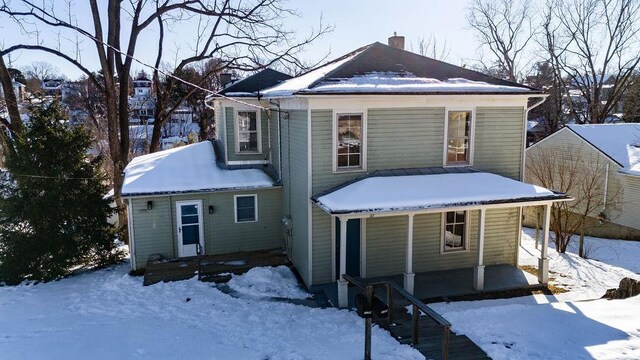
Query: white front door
{"x": 190, "y": 229}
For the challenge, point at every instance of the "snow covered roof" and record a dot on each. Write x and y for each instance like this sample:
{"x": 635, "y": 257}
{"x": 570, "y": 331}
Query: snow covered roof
{"x": 190, "y": 168}
{"x": 620, "y": 142}
{"x": 382, "y": 69}
{"x": 433, "y": 191}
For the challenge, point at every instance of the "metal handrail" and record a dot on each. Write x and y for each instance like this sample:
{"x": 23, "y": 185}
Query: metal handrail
{"x": 417, "y": 307}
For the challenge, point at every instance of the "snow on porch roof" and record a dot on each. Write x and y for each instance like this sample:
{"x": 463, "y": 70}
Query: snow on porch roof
{"x": 383, "y": 194}
{"x": 185, "y": 169}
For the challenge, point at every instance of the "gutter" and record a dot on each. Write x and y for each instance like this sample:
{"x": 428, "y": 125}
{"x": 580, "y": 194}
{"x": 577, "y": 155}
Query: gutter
{"x": 524, "y": 133}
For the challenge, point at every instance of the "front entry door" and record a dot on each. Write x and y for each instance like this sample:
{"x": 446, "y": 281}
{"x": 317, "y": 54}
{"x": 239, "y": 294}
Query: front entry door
{"x": 353, "y": 247}
{"x": 190, "y": 231}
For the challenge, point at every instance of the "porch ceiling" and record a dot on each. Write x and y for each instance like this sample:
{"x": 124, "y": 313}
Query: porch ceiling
{"x": 388, "y": 193}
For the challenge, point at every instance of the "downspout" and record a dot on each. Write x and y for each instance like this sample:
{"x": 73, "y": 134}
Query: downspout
{"x": 277, "y": 103}
{"x": 606, "y": 188}
{"x": 132, "y": 243}
{"x": 524, "y": 132}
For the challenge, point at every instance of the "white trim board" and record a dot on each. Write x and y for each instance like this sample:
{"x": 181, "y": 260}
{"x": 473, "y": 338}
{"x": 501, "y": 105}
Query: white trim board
{"x": 255, "y": 208}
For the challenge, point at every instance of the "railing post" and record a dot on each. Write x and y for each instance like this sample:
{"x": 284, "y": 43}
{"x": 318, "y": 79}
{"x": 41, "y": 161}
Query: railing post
{"x": 390, "y": 305}
{"x": 367, "y": 326}
{"x": 445, "y": 342}
{"x": 415, "y": 321}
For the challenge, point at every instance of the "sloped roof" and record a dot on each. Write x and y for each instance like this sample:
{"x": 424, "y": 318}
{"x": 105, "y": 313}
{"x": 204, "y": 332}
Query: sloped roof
{"x": 382, "y": 69}
{"x": 255, "y": 83}
{"x": 416, "y": 192}
{"x": 185, "y": 169}
{"x": 620, "y": 142}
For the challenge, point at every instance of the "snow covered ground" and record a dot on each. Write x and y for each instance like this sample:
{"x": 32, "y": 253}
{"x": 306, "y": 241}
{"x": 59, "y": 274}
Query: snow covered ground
{"x": 571, "y": 325}
{"x": 108, "y": 314}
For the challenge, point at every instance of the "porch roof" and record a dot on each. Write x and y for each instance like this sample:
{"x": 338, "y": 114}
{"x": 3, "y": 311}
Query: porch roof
{"x": 421, "y": 190}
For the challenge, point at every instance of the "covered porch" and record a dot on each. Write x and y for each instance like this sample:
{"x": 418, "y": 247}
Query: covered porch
{"x": 447, "y": 194}
{"x": 434, "y": 286}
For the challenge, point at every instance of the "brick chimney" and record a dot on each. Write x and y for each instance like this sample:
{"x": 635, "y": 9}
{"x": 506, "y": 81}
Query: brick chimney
{"x": 396, "y": 41}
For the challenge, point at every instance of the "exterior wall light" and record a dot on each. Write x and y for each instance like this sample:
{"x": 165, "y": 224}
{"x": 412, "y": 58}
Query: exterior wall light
{"x": 210, "y": 209}
{"x": 149, "y": 205}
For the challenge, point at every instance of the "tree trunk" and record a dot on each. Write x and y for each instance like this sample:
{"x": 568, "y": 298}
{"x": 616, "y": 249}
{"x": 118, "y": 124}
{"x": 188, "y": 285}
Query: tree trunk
{"x": 581, "y": 242}
{"x": 155, "y": 136}
{"x": 10, "y": 99}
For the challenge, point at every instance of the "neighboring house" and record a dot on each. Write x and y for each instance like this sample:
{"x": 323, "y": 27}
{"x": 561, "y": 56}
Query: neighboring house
{"x": 52, "y": 87}
{"x": 18, "y": 89}
{"x": 615, "y": 147}
{"x": 142, "y": 104}
{"x": 382, "y": 163}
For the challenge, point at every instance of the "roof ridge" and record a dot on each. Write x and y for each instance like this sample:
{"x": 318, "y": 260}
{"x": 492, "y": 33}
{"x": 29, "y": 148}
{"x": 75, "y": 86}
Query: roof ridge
{"x": 355, "y": 54}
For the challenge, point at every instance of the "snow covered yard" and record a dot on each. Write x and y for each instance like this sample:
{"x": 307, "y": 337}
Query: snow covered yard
{"x": 108, "y": 314}
{"x": 562, "y": 326}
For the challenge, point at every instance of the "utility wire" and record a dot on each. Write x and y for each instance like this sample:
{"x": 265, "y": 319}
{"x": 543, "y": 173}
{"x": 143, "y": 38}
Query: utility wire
{"x": 165, "y": 73}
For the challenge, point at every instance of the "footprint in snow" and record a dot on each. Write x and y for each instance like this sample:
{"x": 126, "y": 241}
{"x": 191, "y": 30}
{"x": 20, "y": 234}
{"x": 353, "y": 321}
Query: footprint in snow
{"x": 508, "y": 345}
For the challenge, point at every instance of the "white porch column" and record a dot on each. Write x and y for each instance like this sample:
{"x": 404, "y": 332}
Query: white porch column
{"x": 478, "y": 271}
{"x": 408, "y": 273}
{"x": 343, "y": 285}
{"x": 543, "y": 262}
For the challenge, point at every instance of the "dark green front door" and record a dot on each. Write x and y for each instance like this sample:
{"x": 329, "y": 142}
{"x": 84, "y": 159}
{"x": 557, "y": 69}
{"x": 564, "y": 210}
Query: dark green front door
{"x": 353, "y": 247}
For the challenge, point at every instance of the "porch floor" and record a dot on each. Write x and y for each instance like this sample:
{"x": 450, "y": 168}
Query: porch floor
{"x": 442, "y": 285}
{"x": 214, "y": 268}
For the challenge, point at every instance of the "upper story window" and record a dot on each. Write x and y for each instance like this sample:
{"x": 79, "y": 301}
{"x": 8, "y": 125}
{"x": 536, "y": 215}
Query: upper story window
{"x": 459, "y": 142}
{"x": 454, "y": 231}
{"x": 349, "y": 142}
{"x": 248, "y": 132}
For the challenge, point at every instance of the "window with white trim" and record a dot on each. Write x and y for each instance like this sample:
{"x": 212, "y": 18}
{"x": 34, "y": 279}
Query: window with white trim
{"x": 349, "y": 142}
{"x": 246, "y": 208}
{"x": 454, "y": 231}
{"x": 248, "y": 132}
{"x": 458, "y": 150}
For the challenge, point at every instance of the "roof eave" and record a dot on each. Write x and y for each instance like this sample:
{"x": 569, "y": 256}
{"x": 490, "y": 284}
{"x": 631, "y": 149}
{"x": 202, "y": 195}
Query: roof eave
{"x": 394, "y": 93}
{"x": 195, "y": 191}
{"x": 558, "y": 197}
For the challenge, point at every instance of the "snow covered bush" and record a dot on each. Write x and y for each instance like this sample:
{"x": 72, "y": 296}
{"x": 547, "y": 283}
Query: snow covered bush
{"x": 54, "y": 215}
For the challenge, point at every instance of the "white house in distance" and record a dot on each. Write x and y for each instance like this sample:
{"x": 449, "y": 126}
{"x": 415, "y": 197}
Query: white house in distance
{"x": 18, "y": 89}
{"x": 617, "y": 146}
{"x": 141, "y": 103}
{"x": 52, "y": 86}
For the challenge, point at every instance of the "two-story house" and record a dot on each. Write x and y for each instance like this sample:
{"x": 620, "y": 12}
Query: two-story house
{"x": 382, "y": 163}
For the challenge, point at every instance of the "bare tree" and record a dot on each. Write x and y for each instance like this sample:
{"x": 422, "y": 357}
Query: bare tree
{"x": 593, "y": 47}
{"x": 38, "y": 71}
{"x": 546, "y": 78}
{"x": 505, "y": 29}
{"x": 239, "y": 33}
{"x": 430, "y": 47}
{"x": 573, "y": 171}
{"x": 254, "y": 33}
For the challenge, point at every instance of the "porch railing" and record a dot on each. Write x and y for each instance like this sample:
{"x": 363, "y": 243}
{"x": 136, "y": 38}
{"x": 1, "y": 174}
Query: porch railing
{"x": 417, "y": 307}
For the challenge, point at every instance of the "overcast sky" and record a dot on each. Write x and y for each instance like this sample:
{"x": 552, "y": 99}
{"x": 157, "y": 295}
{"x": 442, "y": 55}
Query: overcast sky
{"x": 356, "y": 23}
